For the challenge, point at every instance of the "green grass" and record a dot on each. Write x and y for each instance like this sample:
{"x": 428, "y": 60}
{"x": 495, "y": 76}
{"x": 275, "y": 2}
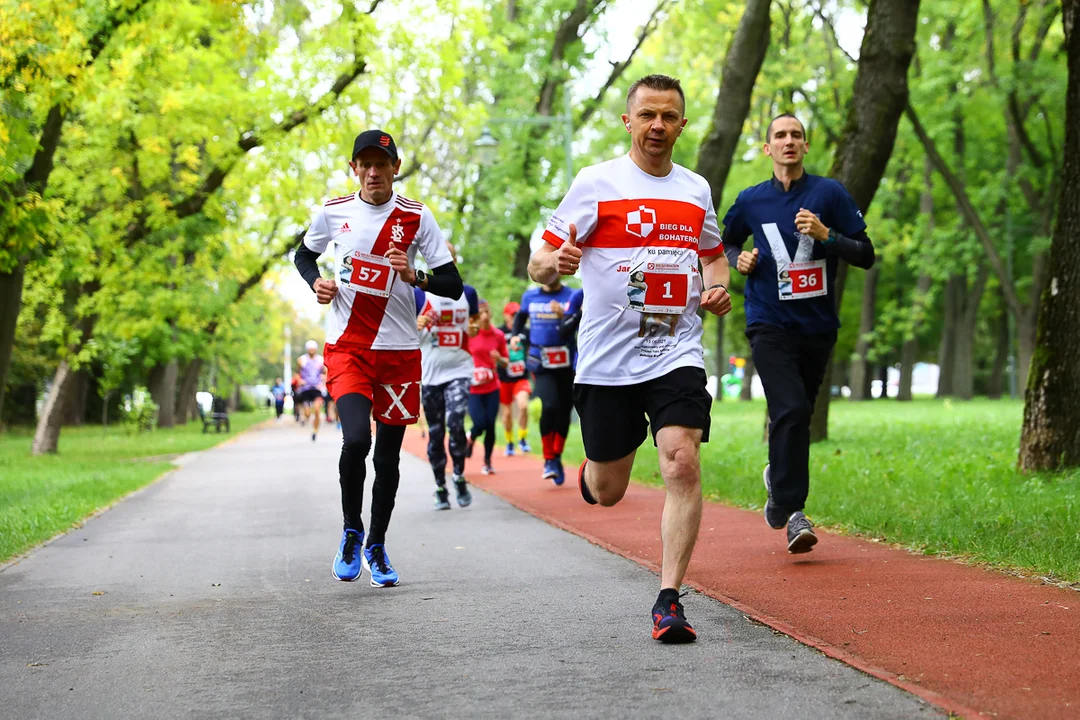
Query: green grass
{"x": 937, "y": 477}
{"x": 42, "y": 496}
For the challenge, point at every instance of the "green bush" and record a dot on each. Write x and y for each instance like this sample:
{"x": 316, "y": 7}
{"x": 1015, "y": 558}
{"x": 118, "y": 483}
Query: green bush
{"x": 140, "y": 411}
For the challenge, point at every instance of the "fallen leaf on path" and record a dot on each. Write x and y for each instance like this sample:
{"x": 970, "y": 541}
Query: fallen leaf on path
{"x": 37, "y": 664}
{"x": 98, "y": 592}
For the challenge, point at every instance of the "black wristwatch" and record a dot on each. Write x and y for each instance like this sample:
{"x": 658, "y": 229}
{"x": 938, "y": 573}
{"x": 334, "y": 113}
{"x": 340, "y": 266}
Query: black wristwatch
{"x": 420, "y": 279}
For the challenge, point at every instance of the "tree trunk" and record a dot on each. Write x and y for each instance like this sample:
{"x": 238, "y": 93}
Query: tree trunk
{"x": 947, "y": 347}
{"x": 47, "y": 436}
{"x": 162, "y": 386}
{"x": 720, "y": 360}
{"x": 996, "y": 386}
{"x": 747, "y": 380}
{"x": 908, "y": 355}
{"x": 189, "y": 385}
{"x": 1050, "y": 438}
{"x": 963, "y": 376}
{"x": 11, "y": 285}
{"x": 1026, "y": 333}
{"x": 909, "y": 352}
{"x": 877, "y": 102}
{"x": 860, "y": 366}
{"x": 75, "y": 412}
{"x": 741, "y": 66}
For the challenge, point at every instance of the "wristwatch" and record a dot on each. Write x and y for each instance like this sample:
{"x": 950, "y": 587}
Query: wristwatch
{"x": 420, "y": 279}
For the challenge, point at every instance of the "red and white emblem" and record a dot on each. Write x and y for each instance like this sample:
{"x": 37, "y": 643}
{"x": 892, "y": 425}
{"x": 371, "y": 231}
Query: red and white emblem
{"x": 641, "y": 222}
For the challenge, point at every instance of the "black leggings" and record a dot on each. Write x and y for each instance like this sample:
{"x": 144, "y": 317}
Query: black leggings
{"x": 484, "y": 411}
{"x": 555, "y": 388}
{"x": 354, "y": 412}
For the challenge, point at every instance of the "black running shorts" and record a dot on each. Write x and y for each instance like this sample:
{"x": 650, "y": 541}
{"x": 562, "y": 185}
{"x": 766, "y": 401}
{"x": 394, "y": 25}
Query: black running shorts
{"x": 309, "y": 395}
{"x": 615, "y": 419}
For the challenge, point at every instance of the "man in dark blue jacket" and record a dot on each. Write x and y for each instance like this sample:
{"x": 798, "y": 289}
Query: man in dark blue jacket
{"x": 802, "y": 226}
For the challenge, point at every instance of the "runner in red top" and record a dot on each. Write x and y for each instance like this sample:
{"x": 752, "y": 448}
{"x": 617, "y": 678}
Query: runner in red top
{"x": 373, "y": 350}
{"x": 488, "y": 348}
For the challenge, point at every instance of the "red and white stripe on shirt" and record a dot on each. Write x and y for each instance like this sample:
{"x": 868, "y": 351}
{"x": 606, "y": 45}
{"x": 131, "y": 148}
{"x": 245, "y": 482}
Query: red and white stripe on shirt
{"x": 362, "y": 321}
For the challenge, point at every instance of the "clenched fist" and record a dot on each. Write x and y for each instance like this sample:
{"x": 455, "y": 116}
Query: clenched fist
{"x": 747, "y": 262}
{"x": 325, "y": 290}
{"x": 717, "y": 301}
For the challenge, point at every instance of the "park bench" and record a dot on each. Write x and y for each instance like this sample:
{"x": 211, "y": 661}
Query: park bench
{"x": 218, "y": 416}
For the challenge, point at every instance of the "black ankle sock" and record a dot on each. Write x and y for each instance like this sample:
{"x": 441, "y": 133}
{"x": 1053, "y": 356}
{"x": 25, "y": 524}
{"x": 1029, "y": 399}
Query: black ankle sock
{"x": 668, "y": 595}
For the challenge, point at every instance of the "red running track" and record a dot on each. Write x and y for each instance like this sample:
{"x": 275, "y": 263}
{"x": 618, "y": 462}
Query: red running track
{"x": 974, "y": 642}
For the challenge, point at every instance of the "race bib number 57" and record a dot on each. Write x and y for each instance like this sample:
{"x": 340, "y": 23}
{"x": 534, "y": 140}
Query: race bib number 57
{"x": 368, "y": 274}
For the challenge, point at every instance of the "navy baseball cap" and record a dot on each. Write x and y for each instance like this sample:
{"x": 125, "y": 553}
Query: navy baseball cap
{"x": 377, "y": 139}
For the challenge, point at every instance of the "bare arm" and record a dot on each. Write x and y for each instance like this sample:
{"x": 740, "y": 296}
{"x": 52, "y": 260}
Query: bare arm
{"x": 543, "y": 265}
{"x": 715, "y": 271}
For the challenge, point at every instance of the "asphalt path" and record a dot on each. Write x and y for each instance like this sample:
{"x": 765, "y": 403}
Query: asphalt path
{"x": 209, "y": 594}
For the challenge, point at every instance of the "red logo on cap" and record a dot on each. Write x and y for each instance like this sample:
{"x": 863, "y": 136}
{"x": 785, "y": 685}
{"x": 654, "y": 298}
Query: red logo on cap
{"x": 384, "y": 140}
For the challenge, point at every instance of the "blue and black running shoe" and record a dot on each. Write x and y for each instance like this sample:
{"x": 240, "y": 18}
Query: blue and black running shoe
{"x": 378, "y": 564}
{"x": 669, "y": 620}
{"x": 347, "y": 563}
{"x": 553, "y": 471}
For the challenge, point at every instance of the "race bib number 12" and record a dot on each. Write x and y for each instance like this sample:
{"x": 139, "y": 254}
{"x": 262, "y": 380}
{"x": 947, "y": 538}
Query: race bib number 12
{"x": 368, "y": 274}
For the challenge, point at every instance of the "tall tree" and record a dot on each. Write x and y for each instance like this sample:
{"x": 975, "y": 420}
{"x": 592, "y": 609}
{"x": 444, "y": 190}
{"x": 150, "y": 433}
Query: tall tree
{"x": 866, "y": 143}
{"x": 23, "y": 212}
{"x": 1050, "y": 438}
{"x": 741, "y": 67}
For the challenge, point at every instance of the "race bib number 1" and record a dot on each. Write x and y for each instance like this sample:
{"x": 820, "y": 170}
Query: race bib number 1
{"x": 659, "y": 289}
{"x": 802, "y": 280}
{"x": 368, "y": 274}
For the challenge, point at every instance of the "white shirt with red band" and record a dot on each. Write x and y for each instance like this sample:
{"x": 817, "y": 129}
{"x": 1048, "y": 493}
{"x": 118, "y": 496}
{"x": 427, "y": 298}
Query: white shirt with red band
{"x": 373, "y": 308}
{"x": 641, "y": 237}
{"x": 445, "y": 343}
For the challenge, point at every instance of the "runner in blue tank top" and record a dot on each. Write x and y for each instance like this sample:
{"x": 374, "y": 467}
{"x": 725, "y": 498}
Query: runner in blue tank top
{"x": 551, "y": 361}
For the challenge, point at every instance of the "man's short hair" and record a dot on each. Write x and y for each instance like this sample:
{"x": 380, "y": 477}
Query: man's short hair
{"x": 768, "y": 130}
{"x": 656, "y": 82}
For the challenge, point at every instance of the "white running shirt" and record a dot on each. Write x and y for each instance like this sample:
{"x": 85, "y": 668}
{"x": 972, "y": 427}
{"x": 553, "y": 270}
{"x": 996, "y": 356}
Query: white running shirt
{"x": 373, "y": 308}
{"x": 444, "y": 344}
{"x": 640, "y": 237}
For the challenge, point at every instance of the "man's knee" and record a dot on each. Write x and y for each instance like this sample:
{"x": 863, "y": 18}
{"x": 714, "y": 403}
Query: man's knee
{"x": 796, "y": 413}
{"x": 357, "y": 440}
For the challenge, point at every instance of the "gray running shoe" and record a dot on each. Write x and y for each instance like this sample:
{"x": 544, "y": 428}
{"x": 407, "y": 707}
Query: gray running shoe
{"x": 442, "y": 499}
{"x": 464, "y": 497}
{"x": 776, "y": 518}
{"x": 800, "y": 534}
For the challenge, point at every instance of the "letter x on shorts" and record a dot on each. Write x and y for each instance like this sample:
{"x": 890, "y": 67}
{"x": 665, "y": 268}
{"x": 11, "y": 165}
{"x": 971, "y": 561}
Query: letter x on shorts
{"x": 615, "y": 419}
{"x": 390, "y": 379}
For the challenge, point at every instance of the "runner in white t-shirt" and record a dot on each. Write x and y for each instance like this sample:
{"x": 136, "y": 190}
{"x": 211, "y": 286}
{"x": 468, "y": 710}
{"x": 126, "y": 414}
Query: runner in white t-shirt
{"x": 444, "y": 326}
{"x": 638, "y": 226}
{"x": 372, "y": 348}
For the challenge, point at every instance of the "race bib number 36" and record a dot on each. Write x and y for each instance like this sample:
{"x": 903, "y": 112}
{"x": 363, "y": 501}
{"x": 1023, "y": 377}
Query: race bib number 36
{"x": 368, "y": 274}
{"x": 802, "y": 280}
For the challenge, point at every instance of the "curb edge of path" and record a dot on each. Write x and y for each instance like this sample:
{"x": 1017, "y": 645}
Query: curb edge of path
{"x": 81, "y": 522}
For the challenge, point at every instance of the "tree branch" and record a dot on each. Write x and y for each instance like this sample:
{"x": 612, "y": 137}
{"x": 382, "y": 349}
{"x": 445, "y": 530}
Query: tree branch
{"x": 617, "y": 68}
{"x": 414, "y": 164}
{"x": 564, "y": 35}
{"x": 967, "y": 210}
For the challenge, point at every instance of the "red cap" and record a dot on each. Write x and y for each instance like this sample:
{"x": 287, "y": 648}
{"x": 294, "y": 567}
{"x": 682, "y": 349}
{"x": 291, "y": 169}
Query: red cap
{"x": 511, "y": 307}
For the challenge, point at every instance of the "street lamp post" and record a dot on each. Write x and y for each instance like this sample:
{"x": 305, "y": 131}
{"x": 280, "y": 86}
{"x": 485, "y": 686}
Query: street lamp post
{"x": 487, "y": 145}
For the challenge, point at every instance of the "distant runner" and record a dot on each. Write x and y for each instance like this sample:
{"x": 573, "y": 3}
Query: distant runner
{"x": 488, "y": 348}
{"x": 514, "y": 387}
{"x": 312, "y": 372}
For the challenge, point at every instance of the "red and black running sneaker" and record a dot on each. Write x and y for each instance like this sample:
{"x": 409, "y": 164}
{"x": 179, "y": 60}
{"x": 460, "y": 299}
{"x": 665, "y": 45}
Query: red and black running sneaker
{"x": 669, "y": 620}
{"x": 585, "y": 494}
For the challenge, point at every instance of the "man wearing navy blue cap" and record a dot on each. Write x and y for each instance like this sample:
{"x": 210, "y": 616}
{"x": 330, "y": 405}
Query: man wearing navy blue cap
{"x": 802, "y": 226}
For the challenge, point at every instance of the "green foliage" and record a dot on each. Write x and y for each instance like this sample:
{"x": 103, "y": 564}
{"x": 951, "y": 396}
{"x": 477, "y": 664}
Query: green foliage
{"x": 140, "y": 411}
